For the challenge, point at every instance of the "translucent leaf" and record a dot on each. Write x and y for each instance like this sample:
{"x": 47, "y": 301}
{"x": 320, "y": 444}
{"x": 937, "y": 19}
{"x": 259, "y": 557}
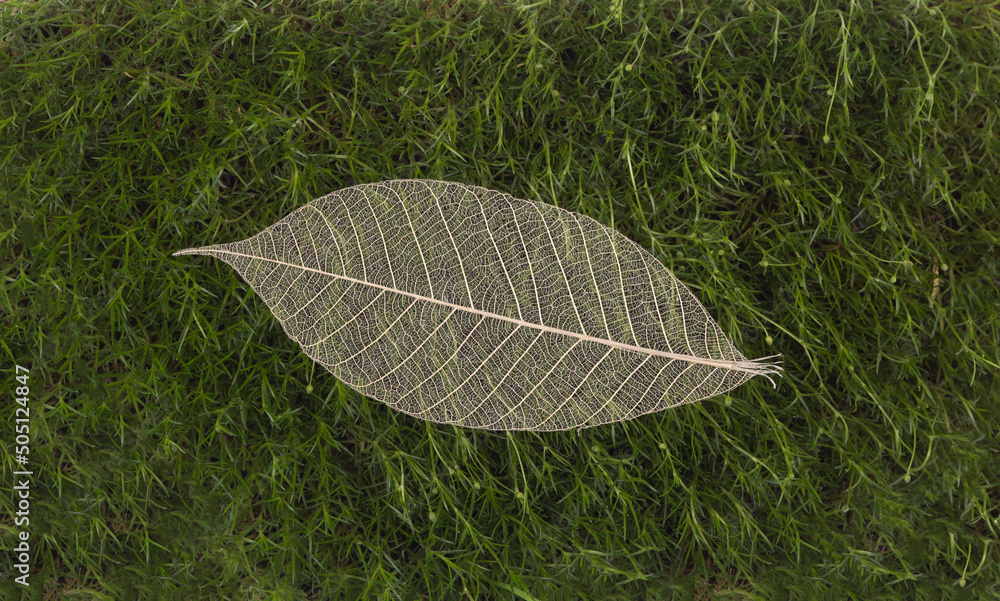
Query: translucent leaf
{"x": 463, "y": 305}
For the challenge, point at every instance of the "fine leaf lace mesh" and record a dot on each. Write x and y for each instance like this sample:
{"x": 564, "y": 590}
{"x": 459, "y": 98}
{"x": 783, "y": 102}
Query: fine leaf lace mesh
{"x": 463, "y": 305}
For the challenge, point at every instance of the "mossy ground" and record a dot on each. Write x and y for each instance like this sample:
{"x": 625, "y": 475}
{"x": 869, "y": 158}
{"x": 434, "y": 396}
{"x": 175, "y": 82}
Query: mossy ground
{"x": 822, "y": 174}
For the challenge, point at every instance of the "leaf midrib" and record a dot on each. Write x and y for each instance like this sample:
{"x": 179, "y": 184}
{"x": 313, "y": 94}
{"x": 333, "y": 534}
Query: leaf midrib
{"x": 749, "y": 367}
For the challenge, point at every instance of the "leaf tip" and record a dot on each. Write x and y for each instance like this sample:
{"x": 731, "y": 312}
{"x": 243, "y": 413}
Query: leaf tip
{"x": 189, "y": 251}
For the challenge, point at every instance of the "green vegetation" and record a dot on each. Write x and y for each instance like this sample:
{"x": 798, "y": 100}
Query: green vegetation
{"x": 822, "y": 174}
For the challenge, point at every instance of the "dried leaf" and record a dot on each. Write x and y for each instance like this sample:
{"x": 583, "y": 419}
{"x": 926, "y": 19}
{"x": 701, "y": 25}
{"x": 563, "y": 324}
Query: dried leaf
{"x": 462, "y": 305}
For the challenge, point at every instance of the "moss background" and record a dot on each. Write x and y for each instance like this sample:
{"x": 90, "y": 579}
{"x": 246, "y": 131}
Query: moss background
{"x": 822, "y": 174}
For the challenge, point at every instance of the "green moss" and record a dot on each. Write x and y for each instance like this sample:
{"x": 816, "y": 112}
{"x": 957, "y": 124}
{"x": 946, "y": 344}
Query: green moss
{"x": 822, "y": 175}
